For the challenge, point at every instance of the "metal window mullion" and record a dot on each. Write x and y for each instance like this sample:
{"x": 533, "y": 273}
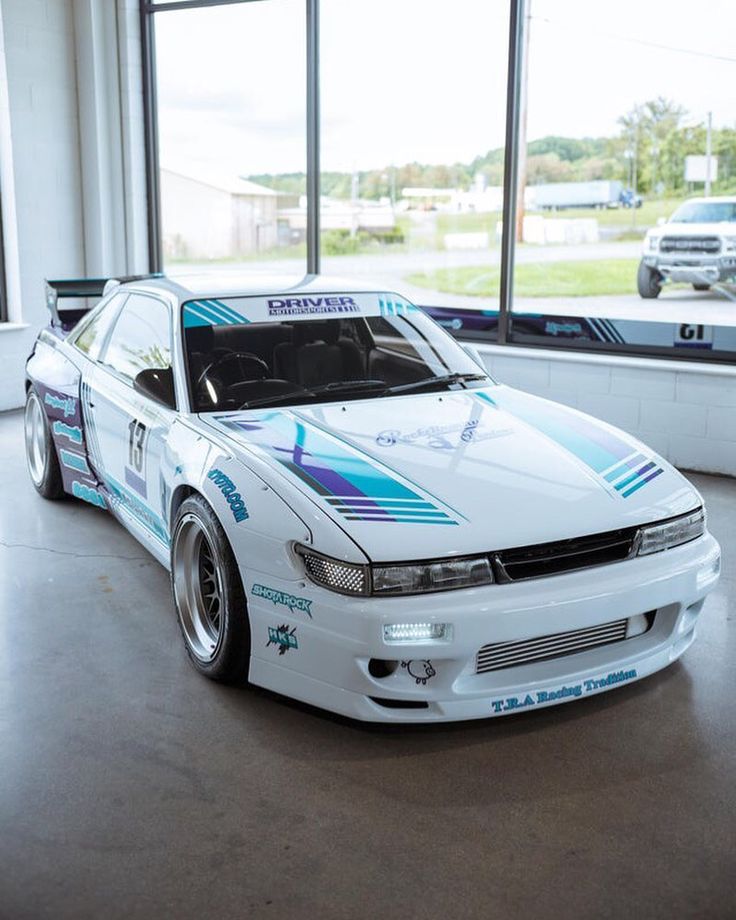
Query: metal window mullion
{"x": 150, "y": 128}
{"x": 313, "y": 139}
{"x": 3, "y": 288}
{"x": 514, "y": 89}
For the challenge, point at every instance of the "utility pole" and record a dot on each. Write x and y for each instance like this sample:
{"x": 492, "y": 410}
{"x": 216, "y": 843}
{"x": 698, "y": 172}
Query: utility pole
{"x": 708, "y": 152}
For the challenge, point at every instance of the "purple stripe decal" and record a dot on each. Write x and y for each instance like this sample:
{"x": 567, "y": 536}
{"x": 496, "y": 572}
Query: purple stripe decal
{"x": 642, "y": 482}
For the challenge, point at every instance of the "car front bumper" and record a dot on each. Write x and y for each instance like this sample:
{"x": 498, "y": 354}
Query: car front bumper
{"x": 693, "y": 269}
{"x": 334, "y": 639}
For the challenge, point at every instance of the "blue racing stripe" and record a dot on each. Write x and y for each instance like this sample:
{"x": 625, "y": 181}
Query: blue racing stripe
{"x": 642, "y": 482}
{"x": 634, "y": 476}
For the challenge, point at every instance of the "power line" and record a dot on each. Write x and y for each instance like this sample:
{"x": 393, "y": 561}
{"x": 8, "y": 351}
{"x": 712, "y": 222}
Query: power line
{"x": 638, "y": 41}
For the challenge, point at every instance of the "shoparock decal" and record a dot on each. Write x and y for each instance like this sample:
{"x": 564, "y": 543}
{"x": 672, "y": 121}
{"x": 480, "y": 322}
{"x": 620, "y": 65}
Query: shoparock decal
{"x": 283, "y": 598}
{"x": 540, "y": 697}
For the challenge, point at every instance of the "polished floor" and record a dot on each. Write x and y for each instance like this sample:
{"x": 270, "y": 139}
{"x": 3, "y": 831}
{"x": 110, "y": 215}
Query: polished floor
{"x": 130, "y": 787}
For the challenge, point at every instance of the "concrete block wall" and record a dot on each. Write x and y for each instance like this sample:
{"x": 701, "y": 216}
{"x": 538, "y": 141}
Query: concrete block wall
{"x": 686, "y": 411}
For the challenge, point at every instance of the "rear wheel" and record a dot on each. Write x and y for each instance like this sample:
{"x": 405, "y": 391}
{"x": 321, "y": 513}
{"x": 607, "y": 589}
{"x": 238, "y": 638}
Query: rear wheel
{"x": 208, "y": 594}
{"x": 43, "y": 464}
{"x": 648, "y": 282}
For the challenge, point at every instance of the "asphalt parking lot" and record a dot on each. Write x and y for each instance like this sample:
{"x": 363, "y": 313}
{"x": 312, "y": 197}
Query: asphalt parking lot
{"x": 131, "y": 787}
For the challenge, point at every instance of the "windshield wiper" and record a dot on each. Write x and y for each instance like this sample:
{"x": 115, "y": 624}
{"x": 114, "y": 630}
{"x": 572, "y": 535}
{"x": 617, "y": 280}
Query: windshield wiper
{"x": 337, "y": 386}
{"x": 425, "y": 382}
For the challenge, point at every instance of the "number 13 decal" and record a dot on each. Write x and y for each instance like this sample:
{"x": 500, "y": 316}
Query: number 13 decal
{"x": 136, "y": 444}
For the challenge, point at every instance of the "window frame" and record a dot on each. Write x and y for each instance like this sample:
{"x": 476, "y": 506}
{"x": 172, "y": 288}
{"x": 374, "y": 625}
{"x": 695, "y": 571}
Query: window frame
{"x": 108, "y": 368}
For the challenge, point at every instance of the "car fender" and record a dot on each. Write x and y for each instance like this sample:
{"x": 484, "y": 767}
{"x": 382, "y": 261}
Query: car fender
{"x": 262, "y": 524}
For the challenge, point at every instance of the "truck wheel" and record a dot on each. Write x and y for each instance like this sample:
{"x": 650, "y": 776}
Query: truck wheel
{"x": 43, "y": 464}
{"x": 648, "y": 282}
{"x": 208, "y": 594}
{"x": 701, "y": 287}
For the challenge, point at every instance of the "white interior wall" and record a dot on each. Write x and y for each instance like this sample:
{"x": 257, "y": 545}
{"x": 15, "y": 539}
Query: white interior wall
{"x": 686, "y": 411}
{"x": 71, "y": 156}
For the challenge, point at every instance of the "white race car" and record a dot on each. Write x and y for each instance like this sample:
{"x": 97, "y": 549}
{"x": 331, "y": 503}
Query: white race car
{"x": 353, "y": 513}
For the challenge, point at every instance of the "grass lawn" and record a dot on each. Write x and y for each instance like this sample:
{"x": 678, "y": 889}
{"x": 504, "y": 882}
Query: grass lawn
{"x": 537, "y": 279}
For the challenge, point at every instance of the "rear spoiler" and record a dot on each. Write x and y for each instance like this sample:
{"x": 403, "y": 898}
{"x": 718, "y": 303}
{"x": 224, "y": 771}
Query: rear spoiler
{"x": 80, "y": 288}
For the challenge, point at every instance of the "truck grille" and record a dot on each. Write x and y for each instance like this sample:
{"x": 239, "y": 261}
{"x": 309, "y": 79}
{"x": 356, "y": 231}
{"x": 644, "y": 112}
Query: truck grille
{"x": 563, "y": 555}
{"x": 500, "y": 655}
{"x": 697, "y": 244}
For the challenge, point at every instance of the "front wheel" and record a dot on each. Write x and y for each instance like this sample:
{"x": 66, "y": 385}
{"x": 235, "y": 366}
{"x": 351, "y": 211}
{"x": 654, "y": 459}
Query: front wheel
{"x": 648, "y": 282}
{"x": 208, "y": 594}
{"x": 43, "y": 464}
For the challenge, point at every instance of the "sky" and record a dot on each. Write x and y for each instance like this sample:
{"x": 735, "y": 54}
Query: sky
{"x": 424, "y": 80}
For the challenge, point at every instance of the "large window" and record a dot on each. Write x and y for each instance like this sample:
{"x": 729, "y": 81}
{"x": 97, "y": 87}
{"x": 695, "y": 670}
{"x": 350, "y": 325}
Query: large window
{"x": 413, "y": 113}
{"x": 406, "y": 152}
{"x": 621, "y": 113}
{"x": 231, "y": 115}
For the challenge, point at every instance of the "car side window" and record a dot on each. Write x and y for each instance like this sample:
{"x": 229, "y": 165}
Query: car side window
{"x": 141, "y": 338}
{"x": 92, "y": 336}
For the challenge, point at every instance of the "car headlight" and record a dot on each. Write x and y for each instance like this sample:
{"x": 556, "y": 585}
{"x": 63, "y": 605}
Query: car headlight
{"x": 683, "y": 529}
{"x": 392, "y": 579}
{"x": 343, "y": 577}
{"x": 422, "y": 577}
{"x": 729, "y": 243}
{"x": 652, "y": 243}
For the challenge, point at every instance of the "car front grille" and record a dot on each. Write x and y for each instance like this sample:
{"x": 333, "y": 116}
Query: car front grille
{"x": 563, "y": 555}
{"x": 501, "y": 655}
{"x": 707, "y": 244}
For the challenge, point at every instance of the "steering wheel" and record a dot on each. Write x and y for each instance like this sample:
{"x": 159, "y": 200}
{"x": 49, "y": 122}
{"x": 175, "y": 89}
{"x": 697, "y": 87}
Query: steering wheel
{"x": 235, "y": 356}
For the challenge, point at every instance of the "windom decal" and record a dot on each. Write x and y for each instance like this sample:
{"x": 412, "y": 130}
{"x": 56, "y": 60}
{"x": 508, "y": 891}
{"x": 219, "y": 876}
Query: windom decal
{"x": 232, "y": 496}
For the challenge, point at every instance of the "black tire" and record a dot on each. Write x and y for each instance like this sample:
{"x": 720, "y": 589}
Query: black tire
{"x": 648, "y": 282}
{"x": 701, "y": 287}
{"x": 41, "y": 458}
{"x": 228, "y": 655}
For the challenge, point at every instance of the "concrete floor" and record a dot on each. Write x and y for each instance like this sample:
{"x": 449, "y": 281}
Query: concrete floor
{"x": 131, "y": 787}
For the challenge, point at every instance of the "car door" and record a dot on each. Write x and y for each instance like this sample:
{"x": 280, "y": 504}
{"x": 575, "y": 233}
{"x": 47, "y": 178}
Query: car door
{"x": 130, "y": 429}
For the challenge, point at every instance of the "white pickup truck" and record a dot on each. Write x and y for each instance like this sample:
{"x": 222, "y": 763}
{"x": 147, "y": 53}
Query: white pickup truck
{"x": 697, "y": 245}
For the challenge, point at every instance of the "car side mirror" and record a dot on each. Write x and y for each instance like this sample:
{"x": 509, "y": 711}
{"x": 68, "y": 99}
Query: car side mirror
{"x": 158, "y": 384}
{"x": 661, "y": 221}
{"x": 472, "y": 352}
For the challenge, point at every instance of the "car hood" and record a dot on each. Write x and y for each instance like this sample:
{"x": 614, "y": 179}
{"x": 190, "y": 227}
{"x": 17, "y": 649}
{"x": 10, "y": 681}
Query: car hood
{"x": 439, "y": 474}
{"x": 685, "y": 229}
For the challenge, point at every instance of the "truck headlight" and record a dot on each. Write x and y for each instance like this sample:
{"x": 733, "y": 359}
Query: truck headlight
{"x": 652, "y": 243}
{"x": 683, "y": 529}
{"x": 729, "y": 243}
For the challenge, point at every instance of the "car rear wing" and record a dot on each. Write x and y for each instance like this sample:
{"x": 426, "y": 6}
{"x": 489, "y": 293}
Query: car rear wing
{"x": 76, "y": 290}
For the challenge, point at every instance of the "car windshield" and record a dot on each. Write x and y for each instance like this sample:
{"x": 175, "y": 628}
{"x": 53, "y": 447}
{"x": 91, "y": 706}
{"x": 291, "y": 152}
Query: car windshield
{"x": 234, "y": 365}
{"x": 705, "y": 212}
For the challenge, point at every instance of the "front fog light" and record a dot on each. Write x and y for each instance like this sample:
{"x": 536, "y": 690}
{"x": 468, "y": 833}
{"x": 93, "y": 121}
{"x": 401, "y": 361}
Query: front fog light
{"x": 683, "y": 529}
{"x": 416, "y": 632}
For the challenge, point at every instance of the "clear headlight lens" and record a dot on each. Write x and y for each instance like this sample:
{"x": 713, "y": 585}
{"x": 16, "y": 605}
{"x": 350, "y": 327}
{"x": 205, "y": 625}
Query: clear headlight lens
{"x": 409, "y": 578}
{"x": 343, "y": 577}
{"x": 658, "y": 537}
{"x": 652, "y": 243}
{"x": 418, "y": 578}
{"x": 729, "y": 243}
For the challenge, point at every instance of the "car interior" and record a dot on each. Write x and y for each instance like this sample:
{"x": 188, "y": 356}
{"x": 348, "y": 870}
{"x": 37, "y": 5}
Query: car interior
{"x": 232, "y": 365}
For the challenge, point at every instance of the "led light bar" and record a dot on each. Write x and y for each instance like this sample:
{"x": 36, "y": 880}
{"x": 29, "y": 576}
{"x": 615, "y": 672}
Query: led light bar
{"x": 416, "y": 632}
{"x": 658, "y": 537}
